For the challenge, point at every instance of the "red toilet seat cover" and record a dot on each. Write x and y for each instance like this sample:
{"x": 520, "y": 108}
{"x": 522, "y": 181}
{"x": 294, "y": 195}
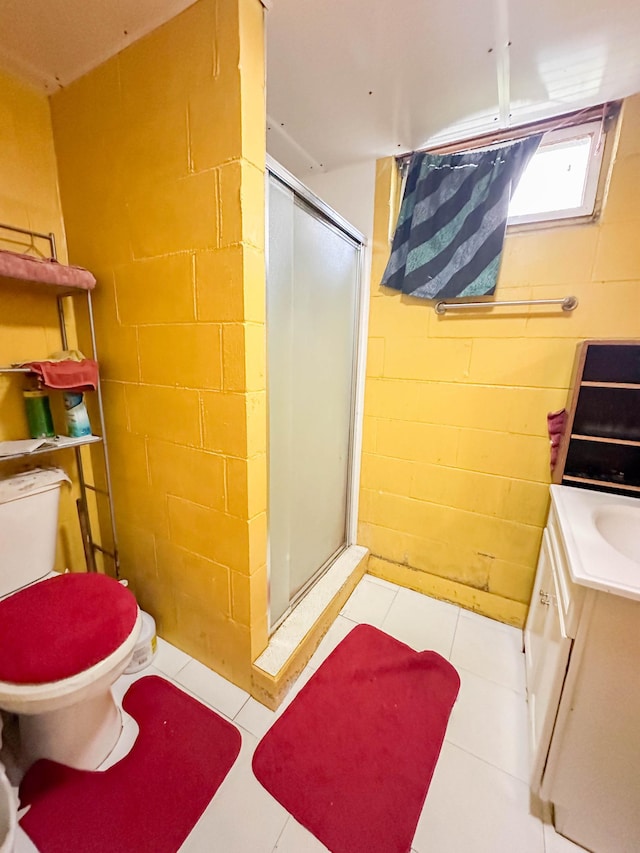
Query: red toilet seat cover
{"x": 62, "y": 626}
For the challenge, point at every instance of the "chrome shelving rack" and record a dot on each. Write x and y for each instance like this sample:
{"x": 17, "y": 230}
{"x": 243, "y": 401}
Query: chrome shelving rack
{"x": 61, "y": 293}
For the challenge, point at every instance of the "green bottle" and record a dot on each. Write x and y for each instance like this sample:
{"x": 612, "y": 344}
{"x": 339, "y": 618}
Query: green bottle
{"x": 36, "y": 402}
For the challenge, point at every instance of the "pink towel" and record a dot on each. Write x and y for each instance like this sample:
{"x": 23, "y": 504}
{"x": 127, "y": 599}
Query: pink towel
{"x": 556, "y": 422}
{"x": 46, "y": 270}
{"x": 67, "y": 375}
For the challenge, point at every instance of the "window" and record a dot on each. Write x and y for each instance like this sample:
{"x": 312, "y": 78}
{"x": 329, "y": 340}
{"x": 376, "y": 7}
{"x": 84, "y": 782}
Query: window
{"x": 561, "y": 179}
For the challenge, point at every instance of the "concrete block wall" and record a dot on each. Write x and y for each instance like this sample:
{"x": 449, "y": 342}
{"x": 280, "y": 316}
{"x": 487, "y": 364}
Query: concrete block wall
{"x": 455, "y": 471}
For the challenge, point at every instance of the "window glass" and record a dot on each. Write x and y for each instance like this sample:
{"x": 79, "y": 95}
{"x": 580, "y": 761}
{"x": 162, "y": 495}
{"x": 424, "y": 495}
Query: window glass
{"x": 561, "y": 178}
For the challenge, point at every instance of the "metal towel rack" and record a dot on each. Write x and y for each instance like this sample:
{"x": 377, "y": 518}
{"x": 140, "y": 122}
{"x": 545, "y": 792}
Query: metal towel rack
{"x": 569, "y": 303}
{"x": 90, "y": 546}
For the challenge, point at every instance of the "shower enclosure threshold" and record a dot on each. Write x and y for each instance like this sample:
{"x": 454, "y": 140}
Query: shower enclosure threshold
{"x": 284, "y": 642}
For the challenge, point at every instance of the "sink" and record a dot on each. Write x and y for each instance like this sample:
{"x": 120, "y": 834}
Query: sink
{"x": 601, "y": 535}
{"x": 620, "y": 527}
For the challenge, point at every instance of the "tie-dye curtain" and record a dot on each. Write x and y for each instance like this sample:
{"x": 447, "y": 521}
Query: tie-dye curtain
{"x": 452, "y": 222}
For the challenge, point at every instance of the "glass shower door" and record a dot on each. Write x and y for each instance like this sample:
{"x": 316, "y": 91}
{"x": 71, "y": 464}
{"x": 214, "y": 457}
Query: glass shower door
{"x": 312, "y": 299}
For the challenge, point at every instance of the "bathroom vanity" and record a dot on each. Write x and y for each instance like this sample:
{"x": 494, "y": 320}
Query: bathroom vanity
{"x": 582, "y": 645}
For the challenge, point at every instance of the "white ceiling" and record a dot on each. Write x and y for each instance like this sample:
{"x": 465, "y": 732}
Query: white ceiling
{"x": 49, "y": 43}
{"x": 351, "y": 80}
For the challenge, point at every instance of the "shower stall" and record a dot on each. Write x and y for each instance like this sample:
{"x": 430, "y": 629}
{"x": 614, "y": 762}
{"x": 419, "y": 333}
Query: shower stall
{"x": 314, "y": 272}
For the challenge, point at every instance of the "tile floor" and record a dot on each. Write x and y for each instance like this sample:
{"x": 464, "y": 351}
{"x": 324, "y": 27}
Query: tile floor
{"x": 478, "y": 799}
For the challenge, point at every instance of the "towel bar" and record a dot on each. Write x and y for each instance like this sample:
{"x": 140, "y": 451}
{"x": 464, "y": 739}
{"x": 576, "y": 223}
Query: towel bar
{"x": 568, "y": 303}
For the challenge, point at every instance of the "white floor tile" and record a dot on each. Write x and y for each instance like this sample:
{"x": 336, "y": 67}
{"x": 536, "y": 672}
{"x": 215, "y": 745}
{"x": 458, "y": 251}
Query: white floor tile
{"x": 169, "y": 659}
{"x": 255, "y": 718}
{"x": 258, "y": 719}
{"x": 484, "y": 620}
{"x": 422, "y": 622}
{"x": 23, "y": 844}
{"x": 479, "y": 798}
{"x": 472, "y": 807}
{"x": 242, "y": 817}
{"x": 369, "y": 602}
{"x": 307, "y": 673}
{"x": 296, "y": 839}
{"x": 381, "y": 582}
{"x": 556, "y": 843}
{"x": 212, "y": 688}
{"x": 487, "y": 649}
{"x": 122, "y": 684}
{"x": 336, "y": 633}
{"x": 490, "y": 722}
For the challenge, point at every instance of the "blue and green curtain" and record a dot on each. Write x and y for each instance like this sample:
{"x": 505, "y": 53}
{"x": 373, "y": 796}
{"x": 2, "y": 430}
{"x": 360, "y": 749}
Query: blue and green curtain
{"x": 453, "y": 218}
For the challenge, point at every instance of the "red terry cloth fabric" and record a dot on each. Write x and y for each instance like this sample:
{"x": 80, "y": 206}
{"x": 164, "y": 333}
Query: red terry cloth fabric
{"x": 44, "y": 270}
{"x": 62, "y": 626}
{"x": 67, "y": 375}
{"x": 352, "y": 757}
{"x": 556, "y": 423}
{"x": 150, "y": 800}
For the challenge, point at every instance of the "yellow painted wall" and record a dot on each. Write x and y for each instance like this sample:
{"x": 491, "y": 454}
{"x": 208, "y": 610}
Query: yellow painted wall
{"x": 455, "y": 471}
{"x": 29, "y": 323}
{"x": 161, "y": 161}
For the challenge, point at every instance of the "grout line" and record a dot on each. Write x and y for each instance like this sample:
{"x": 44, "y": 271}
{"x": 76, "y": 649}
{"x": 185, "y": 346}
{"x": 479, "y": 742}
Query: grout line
{"x": 242, "y": 706}
{"x": 184, "y": 665}
{"x": 286, "y": 823}
{"x": 453, "y": 637}
{"x": 520, "y": 693}
{"x": 391, "y": 603}
{"x": 195, "y": 695}
{"x": 380, "y": 582}
{"x": 487, "y": 763}
{"x": 315, "y": 667}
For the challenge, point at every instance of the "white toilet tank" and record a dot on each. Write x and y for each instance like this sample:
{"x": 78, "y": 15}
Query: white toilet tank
{"x": 28, "y": 526}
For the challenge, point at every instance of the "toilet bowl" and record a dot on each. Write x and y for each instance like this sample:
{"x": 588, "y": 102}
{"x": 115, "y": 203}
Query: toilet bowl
{"x": 63, "y": 639}
{"x": 63, "y": 642}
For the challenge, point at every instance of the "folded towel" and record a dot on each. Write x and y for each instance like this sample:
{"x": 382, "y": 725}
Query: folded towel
{"x": 66, "y": 354}
{"x": 556, "y": 423}
{"x": 46, "y": 270}
{"x": 67, "y": 375}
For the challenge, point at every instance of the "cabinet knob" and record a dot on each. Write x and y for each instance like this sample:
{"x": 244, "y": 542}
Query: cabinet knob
{"x": 544, "y": 598}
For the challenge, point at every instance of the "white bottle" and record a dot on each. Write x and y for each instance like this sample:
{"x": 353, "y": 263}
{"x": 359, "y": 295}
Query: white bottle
{"x": 76, "y": 414}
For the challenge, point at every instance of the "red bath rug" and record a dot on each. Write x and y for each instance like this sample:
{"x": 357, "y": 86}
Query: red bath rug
{"x": 353, "y": 755}
{"x": 150, "y": 800}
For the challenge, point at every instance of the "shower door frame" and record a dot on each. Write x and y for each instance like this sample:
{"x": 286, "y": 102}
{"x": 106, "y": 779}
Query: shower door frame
{"x": 326, "y": 214}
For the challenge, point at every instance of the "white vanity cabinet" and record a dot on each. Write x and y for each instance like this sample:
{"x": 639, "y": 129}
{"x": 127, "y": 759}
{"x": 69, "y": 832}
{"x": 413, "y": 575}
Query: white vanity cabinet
{"x": 547, "y": 656}
{"x": 582, "y": 644}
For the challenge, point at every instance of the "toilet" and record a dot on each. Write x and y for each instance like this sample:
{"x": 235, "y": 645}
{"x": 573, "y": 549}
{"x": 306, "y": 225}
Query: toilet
{"x": 64, "y": 638}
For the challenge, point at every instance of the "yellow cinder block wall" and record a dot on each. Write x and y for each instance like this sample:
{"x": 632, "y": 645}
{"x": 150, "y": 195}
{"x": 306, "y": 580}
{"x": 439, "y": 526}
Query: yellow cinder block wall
{"x": 161, "y": 162}
{"x": 455, "y": 471}
{"x": 28, "y": 323}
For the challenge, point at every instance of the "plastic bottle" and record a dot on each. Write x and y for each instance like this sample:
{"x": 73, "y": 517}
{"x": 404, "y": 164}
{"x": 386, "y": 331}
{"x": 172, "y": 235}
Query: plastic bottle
{"x": 76, "y": 414}
{"x": 38, "y": 409}
{"x": 146, "y": 645}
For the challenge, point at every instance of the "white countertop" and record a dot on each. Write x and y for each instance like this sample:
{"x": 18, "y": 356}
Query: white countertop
{"x": 593, "y": 561}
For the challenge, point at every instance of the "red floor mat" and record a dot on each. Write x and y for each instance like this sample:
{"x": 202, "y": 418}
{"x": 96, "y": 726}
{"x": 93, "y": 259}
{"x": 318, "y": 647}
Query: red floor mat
{"x": 150, "y": 800}
{"x": 353, "y": 755}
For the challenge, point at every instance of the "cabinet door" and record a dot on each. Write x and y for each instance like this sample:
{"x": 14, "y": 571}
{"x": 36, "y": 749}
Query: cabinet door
{"x": 546, "y": 654}
{"x": 538, "y": 612}
{"x": 592, "y": 775}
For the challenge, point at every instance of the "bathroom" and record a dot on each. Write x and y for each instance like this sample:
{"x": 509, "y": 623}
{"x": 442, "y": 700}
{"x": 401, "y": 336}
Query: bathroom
{"x": 160, "y": 207}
